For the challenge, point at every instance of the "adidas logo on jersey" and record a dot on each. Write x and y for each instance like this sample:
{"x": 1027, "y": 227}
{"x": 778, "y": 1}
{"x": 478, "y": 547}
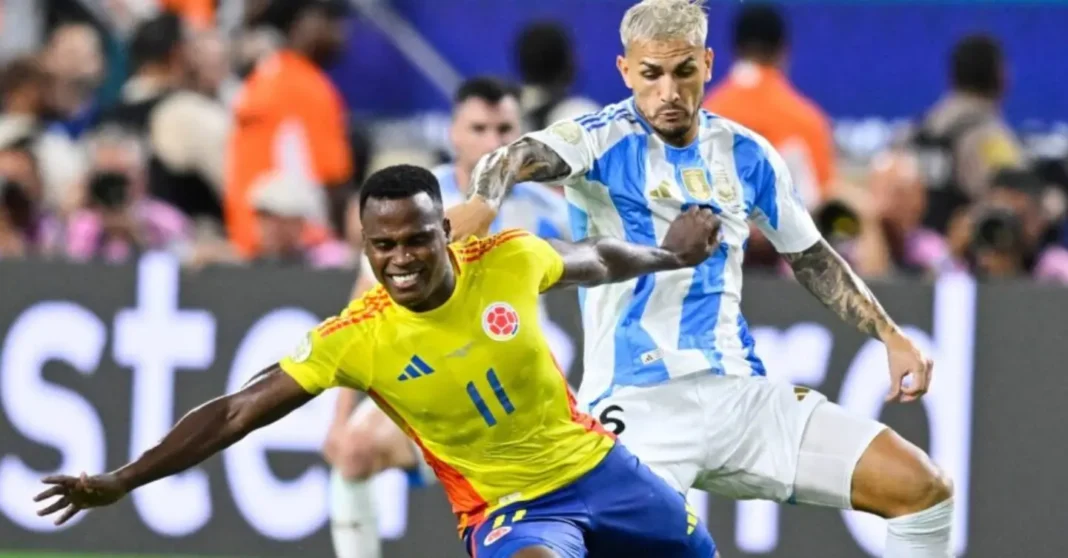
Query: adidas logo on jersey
{"x": 661, "y": 192}
{"x": 415, "y": 369}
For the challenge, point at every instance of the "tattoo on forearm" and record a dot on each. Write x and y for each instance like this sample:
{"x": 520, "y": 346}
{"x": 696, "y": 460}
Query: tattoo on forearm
{"x": 828, "y": 277}
{"x": 524, "y": 160}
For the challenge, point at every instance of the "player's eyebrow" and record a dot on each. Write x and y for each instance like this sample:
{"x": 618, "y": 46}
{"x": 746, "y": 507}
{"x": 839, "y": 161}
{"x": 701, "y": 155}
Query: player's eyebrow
{"x": 655, "y": 66}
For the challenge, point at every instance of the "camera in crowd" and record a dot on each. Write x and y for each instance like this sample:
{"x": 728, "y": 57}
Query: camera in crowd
{"x": 997, "y": 229}
{"x": 15, "y": 205}
{"x": 109, "y": 190}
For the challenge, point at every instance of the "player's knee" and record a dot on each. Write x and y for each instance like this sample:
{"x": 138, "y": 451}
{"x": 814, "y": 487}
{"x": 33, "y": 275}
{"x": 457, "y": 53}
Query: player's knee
{"x": 356, "y": 459}
{"x": 935, "y": 487}
{"x": 929, "y": 487}
{"x": 895, "y": 478}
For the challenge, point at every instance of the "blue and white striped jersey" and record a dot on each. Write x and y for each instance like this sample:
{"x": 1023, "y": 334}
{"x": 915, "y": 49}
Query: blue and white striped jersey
{"x": 529, "y": 206}
{"x": 627, "y": 183}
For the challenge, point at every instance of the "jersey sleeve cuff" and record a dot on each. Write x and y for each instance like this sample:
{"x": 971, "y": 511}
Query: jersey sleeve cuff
{"x": 304, "y": 380}
{"x": 570, "y": 153}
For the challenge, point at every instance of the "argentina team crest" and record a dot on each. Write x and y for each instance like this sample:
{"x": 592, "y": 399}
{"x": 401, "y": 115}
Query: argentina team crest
{"x": 500, "y": 321}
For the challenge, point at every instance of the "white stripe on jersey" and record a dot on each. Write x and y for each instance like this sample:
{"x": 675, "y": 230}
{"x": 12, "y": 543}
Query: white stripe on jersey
{"x": 628, "y": 184}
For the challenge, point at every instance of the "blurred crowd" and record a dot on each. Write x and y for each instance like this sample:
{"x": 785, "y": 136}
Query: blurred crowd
{"x": 224, "y": 141}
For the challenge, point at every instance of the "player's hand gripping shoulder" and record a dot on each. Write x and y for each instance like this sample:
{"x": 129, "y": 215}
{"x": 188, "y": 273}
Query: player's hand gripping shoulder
{"x": 205, "y": 431}
{"x": 690, "y": 240}
{"x": 828, "y": 277}
{"x": 524, "y": 160}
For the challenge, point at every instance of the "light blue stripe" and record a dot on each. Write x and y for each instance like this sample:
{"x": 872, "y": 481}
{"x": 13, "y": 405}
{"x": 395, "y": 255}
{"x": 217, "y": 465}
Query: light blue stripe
{"x": 580, "y": 222}
{"x": 412, "y": 372}
{"x": 498, "y": 390}
{"x": 622, "y": 170}
{"x": 700, "y": 308}
{"x": 756, "y": 174}
{"x": 749, "y": 345}
{"x": 608, "y": 118}
{"x": 580, "y": 229}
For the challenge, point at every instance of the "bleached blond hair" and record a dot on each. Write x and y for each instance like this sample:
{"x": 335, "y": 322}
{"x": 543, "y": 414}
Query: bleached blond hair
{"x": 659, "y": 20}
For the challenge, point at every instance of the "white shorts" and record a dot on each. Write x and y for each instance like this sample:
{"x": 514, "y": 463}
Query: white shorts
{"x": 742, "y": 437}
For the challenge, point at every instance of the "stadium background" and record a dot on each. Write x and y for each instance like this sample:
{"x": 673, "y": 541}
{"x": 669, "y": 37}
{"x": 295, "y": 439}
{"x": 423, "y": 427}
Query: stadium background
{"x": 88, "y": 368}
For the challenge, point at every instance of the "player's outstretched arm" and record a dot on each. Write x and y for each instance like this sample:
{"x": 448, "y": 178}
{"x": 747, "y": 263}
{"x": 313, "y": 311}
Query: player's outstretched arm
{"x": 524, "y": 160}
{"x": 203, "y": 432}
{"x": 829, "y": 278}
{"x": 690, "y": 239}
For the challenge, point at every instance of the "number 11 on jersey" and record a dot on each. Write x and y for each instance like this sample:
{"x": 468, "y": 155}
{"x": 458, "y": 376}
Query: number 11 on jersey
{"x": 498, "y": 390}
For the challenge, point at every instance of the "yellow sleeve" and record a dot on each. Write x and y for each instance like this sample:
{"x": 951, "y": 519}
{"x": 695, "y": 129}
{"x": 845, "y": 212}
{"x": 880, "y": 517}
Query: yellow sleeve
{"x": 539, "y": 258}
{"x": 324, "y": 358}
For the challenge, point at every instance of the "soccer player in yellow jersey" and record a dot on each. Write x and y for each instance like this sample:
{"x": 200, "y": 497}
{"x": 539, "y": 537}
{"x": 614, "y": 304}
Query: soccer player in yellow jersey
{"x": 449, "y": 347}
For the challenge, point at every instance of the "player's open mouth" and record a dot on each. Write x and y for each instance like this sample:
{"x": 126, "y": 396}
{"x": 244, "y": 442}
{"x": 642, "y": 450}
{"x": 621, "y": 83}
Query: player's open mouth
{"x": 404, "y": 281}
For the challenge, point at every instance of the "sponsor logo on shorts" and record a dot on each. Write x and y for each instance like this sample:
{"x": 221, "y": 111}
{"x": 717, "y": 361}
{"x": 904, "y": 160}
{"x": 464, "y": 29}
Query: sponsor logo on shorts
{"x": 500, "y": 321}
{"x": 496, "y": 535}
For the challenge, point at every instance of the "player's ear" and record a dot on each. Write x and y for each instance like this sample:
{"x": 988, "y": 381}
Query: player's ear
{"x": 709, "y": 58}
{"x": 624, "y": 67}
{"x": 447, "y": 226}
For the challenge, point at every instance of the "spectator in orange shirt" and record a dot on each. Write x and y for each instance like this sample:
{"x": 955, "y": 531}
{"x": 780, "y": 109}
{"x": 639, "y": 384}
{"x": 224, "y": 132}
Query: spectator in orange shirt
{"x": 758, "y": 95}
{"x": 289, "y": 117}
{"x": 198, "y": 13}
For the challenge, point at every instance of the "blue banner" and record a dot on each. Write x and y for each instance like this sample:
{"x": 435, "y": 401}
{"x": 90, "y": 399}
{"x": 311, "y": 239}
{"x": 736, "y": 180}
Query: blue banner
{"x": 886, "y": 59}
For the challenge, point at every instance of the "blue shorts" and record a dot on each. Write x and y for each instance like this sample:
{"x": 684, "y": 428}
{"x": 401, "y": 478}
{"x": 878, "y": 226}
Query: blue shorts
{"x": 619, "y": 508}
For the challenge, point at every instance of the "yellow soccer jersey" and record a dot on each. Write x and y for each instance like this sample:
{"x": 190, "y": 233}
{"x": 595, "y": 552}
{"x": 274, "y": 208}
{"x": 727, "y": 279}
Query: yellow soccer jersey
{"x": 472, "y": 382}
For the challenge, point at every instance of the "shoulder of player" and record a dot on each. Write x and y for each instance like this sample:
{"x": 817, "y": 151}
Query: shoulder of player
{"x": 364, "y": 312}
{"x": 747, "y": 144}
{"x": 506, "y": 243}
{"x": 614, "y": 117}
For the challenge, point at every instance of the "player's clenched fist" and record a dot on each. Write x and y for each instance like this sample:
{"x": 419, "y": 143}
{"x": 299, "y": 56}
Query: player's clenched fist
{"x": 693, "y": 235}
{"x": 79, "y": 493}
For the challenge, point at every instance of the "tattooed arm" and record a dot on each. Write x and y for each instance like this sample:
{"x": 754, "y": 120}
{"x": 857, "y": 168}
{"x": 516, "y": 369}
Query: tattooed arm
{"x": 828, "y": 277}
{"x": 526, "y": 159}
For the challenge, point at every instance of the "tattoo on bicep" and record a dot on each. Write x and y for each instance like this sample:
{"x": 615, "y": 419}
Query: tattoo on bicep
{"x": 524, "y": 160}
{"x": 828, "y": 277}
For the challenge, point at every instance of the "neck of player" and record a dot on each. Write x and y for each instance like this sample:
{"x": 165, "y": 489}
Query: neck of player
{"x": 682, "y": 140}
{"x": 441, "y": 293}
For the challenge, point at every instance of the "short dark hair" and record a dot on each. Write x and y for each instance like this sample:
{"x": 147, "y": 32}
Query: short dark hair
{"x": 544, "y": 54}
{"x": 759, "y": 31}
{"x": 976, "y": 65}
{"x": 489, "y": 89}
{"x": 283, "y": 14}
{"x": 20, "y": 72}
{"x": 399, "y": 182}
{"x": 156, "y": 40}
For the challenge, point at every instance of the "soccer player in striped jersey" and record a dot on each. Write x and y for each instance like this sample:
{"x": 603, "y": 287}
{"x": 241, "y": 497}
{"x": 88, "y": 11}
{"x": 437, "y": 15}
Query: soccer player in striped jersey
{"x": 449, "y": 347}
{"x": 669, "y": 362}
